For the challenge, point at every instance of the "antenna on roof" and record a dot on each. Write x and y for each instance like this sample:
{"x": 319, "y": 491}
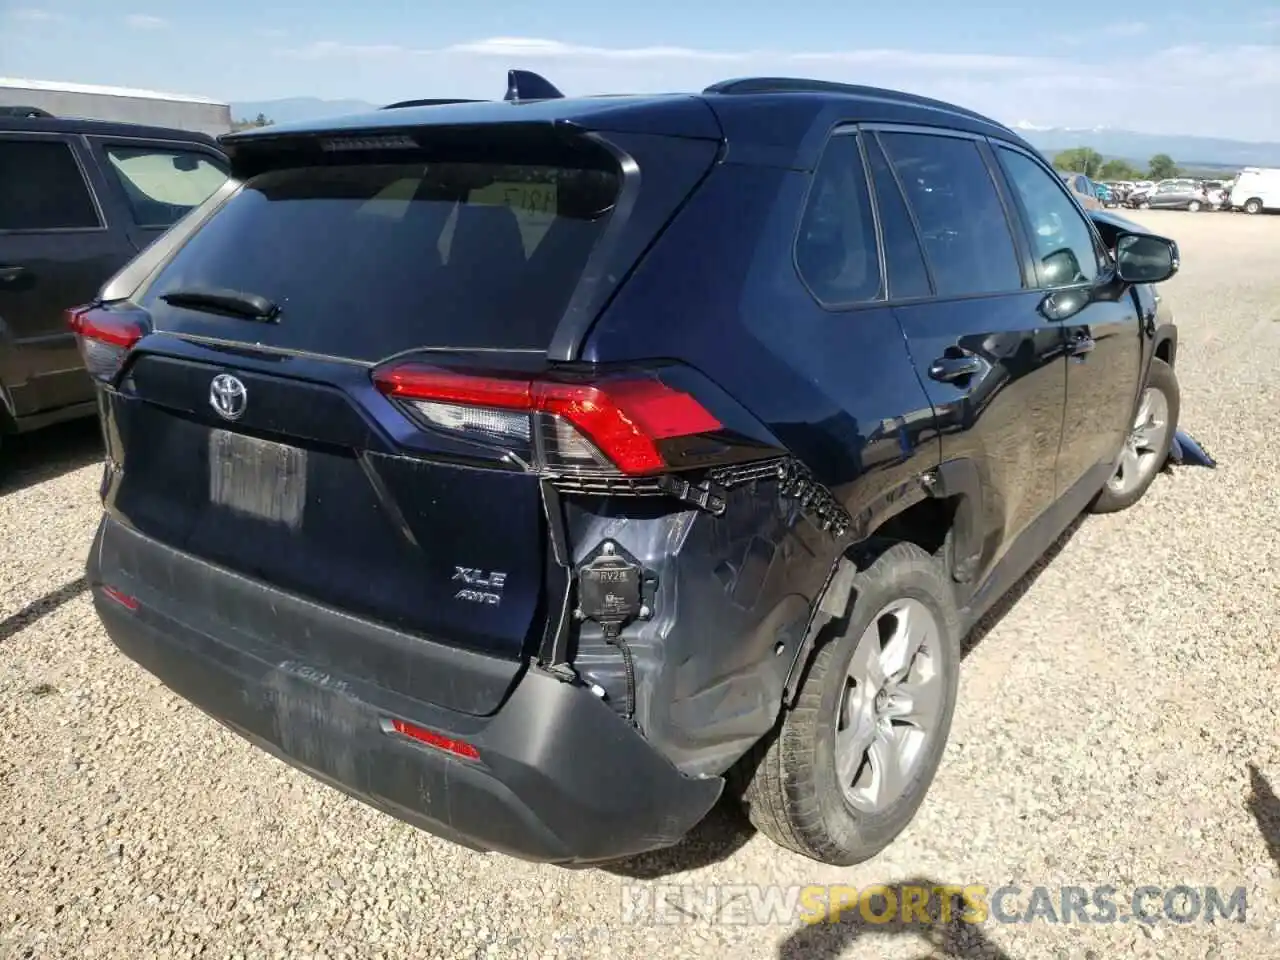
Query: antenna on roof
{"x": 527, "y": 85}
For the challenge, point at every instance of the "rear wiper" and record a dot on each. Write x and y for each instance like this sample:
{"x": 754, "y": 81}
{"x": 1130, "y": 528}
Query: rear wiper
{"x": 251, "y": 306}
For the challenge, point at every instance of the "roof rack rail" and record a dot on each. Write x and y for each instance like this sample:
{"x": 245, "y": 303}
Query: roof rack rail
{"x": 25, "y": 112}
{"x": 431, "y": 102}
{"x": 527, "y": 85}
{"x": 749, "y": 85}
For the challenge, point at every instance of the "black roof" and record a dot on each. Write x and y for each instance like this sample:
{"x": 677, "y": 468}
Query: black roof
{"x": 102, "y": 128}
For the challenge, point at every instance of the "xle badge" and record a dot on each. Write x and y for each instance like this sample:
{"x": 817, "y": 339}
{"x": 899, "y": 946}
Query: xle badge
{"x": 480, "y": 587}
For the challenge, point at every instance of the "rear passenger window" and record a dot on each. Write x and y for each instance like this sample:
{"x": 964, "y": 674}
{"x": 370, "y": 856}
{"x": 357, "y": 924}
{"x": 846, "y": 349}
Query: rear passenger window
{"x": 836, "y": 251}
{"x": 904, "y": 261}
{"x": 1061, "y": 239}
{"x": 962, "y": 222}
{"x": 42, "y": 188}
{"x": 163, "y": 185}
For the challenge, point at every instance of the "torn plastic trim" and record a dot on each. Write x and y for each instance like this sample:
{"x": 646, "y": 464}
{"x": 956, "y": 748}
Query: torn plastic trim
{"x": 1186, "y": 451}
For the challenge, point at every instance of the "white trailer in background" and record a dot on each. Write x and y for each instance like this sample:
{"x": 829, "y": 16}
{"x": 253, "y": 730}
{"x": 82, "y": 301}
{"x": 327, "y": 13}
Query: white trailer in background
{"x": 121, "y": 104}
{"x": 1256, "y": 189}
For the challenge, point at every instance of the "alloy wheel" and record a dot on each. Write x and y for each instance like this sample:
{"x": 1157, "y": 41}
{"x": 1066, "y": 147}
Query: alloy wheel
{"x": 1146, "y": 445}
{"x": 893, "y": 697}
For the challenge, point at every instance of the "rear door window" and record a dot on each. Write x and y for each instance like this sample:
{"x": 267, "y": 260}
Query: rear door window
{"x": 161, "y": 185}
{"x": 962, "y": 222}
{"x": 370, "y": 259}
{"x": 43, "y": 188}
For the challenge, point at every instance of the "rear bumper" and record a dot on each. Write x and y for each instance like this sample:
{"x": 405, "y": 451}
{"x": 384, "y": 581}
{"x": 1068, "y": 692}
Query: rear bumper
{"x": 560, "y": 777}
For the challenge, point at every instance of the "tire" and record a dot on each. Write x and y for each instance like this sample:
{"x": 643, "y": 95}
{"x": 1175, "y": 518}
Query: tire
{"x": 1194, "y": 206}
{"x": 1144, "y": 205}
{"x": 1253, "y": 205}
{"x": 1121, "y": 493}
{"x": 789, "y": 783}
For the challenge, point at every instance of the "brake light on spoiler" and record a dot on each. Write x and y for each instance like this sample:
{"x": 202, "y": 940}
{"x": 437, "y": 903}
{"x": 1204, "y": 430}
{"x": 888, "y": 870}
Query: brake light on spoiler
{"x": 621, "y": 425}
{"x": 105, "y": 337}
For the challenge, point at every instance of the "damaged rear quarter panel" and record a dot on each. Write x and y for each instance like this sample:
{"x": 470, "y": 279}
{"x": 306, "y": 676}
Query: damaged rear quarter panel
{"x": 732, "y": 601}
{"x": 720, "y": 293}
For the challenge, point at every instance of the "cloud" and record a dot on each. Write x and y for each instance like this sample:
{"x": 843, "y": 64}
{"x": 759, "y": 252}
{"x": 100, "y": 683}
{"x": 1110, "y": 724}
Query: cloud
{"x": 144, "y": 21}
{"x": 36, "y": 15}
{"x": 1132, "y": 28}
{"x": 332, "y": 49}
{"x": 533, "y": 47}
{"x": 270, "y": 32}
{"x": 1080, "y": 86}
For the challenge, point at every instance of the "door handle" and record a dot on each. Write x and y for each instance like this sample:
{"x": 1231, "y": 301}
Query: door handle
{"x": 948, "y": 369}
{"x": 11, "y": 272}
{"x": 1081, "y": 345}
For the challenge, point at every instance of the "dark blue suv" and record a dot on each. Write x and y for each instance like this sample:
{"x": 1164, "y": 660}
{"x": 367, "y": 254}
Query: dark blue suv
{"x": 539, "y": 470}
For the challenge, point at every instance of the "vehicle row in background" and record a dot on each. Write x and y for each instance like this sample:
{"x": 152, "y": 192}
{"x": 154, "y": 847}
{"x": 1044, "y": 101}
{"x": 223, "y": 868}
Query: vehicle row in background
{"x": 1253, "y": 190}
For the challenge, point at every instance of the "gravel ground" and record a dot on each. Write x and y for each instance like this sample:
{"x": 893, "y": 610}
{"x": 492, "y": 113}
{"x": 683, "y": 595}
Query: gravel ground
{"x": 1117, "y": 725}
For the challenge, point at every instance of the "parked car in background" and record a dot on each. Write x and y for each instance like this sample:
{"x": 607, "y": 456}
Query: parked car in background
{"x": 1104, "y": 194}
{"x": 1119, "y": 191}
{"x": 1176, "y": 195}
{"x": 1256, "y": 189}
{"x": 1217, "y": 193}
{"x": 78, "y": 200}
{"x": 1084, "y": 190}
{"x": 541, "y": 483}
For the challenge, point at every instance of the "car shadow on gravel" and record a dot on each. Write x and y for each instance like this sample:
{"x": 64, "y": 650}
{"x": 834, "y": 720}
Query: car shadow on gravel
{"x": 1010, "y": 600}
{"x": 1265, "y": 807}
{"x": 41, "y": 607}
{"x": 945, "y": 934}
{"x": 722, "y": 833}
{"x": 34, "y": 458}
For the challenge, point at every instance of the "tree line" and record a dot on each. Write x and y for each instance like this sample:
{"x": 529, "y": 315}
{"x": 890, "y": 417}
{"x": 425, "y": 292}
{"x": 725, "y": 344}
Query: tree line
{"x": 261, "y": 120}
{"x": 1093, "y": 165}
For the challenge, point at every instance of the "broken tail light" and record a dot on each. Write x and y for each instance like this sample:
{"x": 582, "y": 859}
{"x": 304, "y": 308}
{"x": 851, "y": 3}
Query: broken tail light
{"x": 629, "y": 425}
{"x": 105, "y": 337}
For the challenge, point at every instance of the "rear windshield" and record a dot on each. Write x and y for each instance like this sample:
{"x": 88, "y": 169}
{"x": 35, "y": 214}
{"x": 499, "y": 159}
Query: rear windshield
{"x": 370, "y": 259}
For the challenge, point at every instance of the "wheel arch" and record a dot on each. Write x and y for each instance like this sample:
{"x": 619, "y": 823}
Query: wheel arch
{"x": 946, "y": 522}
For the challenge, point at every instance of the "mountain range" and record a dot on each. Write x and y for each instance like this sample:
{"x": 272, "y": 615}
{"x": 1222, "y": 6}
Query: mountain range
{"x": 1187, "y": 150}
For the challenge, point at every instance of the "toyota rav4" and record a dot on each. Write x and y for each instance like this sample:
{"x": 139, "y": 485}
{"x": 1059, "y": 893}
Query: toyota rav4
{"x": 539, "y": 470}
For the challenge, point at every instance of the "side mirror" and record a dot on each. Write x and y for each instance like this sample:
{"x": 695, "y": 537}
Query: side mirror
{"x": 1146, "y": 258}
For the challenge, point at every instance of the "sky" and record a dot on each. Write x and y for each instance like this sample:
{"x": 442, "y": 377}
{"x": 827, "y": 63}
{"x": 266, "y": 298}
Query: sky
{"x": 1211, "y": 69}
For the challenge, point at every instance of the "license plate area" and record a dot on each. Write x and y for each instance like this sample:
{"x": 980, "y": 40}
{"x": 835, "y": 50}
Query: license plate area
{"x": 257, "y": 478}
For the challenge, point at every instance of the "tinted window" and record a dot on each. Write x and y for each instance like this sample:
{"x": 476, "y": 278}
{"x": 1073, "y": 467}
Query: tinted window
{"x": 836, "y": 250}
{"x": 163, "y": 185}
{"x": 42, "y": 188}
{"x": 1060, "y": 237}
{"x": 908, "y": 276}
{"x": 375, "y": 257}
{"x": 962, "y": 222}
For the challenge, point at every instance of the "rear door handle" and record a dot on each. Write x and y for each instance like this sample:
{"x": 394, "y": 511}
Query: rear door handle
{"x": 11, "y": 272}
{"x": 948, "y": 369}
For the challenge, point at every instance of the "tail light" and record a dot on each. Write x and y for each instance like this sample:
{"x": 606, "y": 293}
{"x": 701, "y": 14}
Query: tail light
{"x": 631, "y": 426}
{"x": 106, "y": 336}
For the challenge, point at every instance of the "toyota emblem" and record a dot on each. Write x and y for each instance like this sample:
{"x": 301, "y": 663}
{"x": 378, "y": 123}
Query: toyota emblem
{"x": 227, "y": 395}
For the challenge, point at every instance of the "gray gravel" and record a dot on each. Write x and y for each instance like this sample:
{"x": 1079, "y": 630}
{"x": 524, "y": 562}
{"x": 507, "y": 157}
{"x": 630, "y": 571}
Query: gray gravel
{"x": 1105, "y": 734}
